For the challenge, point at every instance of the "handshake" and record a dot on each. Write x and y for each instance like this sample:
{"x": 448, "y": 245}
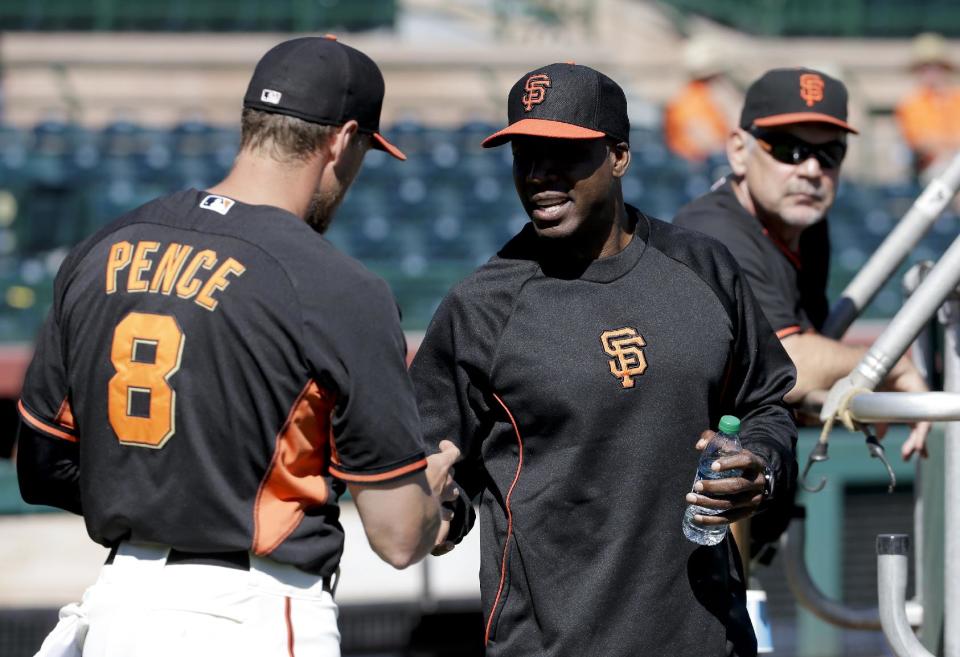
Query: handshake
{"x": 445, "y": 490}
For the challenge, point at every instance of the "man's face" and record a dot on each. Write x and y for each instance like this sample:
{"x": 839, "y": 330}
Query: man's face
{"x": 564, "y": 185}
{"x": 798, "y": 194}
{"x": 934, "y": 75}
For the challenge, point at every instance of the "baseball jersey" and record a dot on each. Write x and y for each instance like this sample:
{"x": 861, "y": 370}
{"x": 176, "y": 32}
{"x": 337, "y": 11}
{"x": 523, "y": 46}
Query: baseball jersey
{"x": 223, "y": 370}
{"x": 790, "y": 286}
{"x": 577, "y": 396}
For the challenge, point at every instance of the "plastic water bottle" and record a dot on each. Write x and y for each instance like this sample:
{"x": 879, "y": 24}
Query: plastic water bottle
{"x": 725, "y": 442}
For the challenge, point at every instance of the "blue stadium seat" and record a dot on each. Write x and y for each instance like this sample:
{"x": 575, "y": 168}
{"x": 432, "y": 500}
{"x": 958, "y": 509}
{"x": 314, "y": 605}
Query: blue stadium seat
{"x": 195, "y": 159}
{"x": 50, "y": 217}
{"x": 122, "y": 152}
{"x": 50, "y": 156}
{"x": 409, "y": 136}
{"x": 14, "y": 146}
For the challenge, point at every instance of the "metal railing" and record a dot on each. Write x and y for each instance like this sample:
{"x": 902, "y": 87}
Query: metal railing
{"x": 853, "y": 401}
{"x": 892, "y": 550}
{"x": 893, "y": 251}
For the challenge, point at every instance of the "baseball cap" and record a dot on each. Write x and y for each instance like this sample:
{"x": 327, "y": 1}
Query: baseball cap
{"x": 786, "y": 96}
{"x": 929, "y": 48}
{"x": 321, "y": 80}
{"x": 564, "y": 101}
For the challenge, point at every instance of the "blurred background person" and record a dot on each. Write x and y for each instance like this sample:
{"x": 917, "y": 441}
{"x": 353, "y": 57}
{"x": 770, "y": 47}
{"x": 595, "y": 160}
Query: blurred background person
{"x": 929, "y": 117}
{"x": 699, "y": 117}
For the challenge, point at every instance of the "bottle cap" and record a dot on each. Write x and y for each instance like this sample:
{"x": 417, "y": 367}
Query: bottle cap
{"x": 729, "y": 424}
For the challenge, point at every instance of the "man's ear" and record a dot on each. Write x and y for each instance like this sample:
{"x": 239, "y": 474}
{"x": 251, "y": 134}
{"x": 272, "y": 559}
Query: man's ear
{"x": 621, "y": 158}
{"x": 342, "y": 139}
{"x": 738, "y": 149}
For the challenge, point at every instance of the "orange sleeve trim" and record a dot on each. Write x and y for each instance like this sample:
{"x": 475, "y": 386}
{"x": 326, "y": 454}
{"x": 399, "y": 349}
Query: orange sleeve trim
{"x": 790, "y": 330}
{"x": 65, "y": 416}
{"x": 380, "y": 476}
{"x": 40, "y": 425}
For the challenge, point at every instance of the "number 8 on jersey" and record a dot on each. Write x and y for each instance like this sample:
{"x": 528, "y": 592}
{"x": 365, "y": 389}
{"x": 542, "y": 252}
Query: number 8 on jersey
{"x": 146, "y": 352}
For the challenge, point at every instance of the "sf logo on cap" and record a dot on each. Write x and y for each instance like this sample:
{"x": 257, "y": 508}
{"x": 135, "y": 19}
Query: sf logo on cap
{"x": 811, "y": 88}
{"x": 536, "y": 88}
{"x": 625, "y": 348}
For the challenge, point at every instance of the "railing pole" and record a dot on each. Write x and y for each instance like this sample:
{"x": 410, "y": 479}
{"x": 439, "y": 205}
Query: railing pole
{"x": 891, "y": 593}
{"x": 893, "y": 251}
{"x": 950, "y": 316}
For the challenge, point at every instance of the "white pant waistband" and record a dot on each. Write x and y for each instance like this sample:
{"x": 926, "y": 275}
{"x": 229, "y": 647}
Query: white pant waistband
{"x": 260, "y": 572}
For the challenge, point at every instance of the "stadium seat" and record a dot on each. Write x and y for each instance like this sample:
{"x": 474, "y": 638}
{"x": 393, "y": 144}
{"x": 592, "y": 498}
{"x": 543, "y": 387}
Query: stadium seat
{"x": 425, "y": 222}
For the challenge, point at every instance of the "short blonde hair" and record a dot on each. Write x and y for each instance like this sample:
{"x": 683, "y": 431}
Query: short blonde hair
{"x": 284, "y": 138}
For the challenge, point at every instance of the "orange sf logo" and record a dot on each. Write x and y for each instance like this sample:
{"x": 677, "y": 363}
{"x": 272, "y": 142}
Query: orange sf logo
{"x": 536, "y": 90}
{"x": 625, "y": 348}
{"x": 811, "y": 88}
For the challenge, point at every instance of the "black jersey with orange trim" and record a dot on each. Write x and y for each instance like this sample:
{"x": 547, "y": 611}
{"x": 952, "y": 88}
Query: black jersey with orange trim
{"x": 577, "y": 397}
{"x": 791, "y": 287}
{"x": 223, "y": 370}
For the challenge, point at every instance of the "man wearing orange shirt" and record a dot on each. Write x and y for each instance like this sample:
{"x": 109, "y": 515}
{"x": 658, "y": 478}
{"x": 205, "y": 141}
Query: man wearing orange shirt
{"x": 929, "y": 118}
{"x": 698, "y": 119}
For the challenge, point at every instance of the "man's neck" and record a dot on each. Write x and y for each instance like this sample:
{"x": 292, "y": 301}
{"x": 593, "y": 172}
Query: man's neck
{"x": 615, "y": 239}
{"x": 608, "y": 238}
{"x": 259, "y": 180}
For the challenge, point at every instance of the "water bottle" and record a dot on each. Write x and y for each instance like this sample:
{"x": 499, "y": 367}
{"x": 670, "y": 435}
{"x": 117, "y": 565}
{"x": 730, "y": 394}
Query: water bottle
{"x": 725, "y": 442}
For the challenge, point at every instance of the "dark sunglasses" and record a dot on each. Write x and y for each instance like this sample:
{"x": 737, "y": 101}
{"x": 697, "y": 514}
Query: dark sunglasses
{"x": 788, "y": 149}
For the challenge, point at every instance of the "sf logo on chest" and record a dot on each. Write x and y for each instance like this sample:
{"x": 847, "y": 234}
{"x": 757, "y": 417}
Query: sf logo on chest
{"x": 536, "y": 88}
{"x": 625, "y": 348}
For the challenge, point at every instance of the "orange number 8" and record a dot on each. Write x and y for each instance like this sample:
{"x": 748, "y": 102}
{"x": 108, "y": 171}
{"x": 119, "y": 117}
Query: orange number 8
{"x": 146, "y": 352}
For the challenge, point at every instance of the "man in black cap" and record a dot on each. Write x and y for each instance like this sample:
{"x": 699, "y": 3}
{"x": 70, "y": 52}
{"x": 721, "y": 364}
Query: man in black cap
{"x": 576, "y": 371}
{"x": 213, "y": 375}
{"x": 771, "y": 213}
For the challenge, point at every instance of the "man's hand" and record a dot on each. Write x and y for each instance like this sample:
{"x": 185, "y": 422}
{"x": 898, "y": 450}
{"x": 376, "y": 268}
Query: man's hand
{"x": 905, "y": 377}
{"x": 916, "y": 442}
{"x": 736, "y": 497}
{"x": 444, "y": 489}
{"x": 822, "y": 361}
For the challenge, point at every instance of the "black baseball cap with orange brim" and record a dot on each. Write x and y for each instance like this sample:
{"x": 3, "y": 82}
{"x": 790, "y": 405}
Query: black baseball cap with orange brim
{"x": 564, "y": 101}
{"x": 321, "y": 80}
{"x": 787, "y": 96}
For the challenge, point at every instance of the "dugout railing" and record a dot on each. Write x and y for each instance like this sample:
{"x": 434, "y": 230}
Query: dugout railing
{"x": 892, "y": 549}
{"x": 933, "y": 296}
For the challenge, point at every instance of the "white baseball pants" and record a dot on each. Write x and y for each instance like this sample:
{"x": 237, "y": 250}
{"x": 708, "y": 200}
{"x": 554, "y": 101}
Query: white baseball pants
{"x": 143, "y": 607}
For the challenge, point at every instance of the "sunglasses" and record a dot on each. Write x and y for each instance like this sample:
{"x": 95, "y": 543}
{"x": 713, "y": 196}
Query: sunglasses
{"x": 788, "y": 149}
